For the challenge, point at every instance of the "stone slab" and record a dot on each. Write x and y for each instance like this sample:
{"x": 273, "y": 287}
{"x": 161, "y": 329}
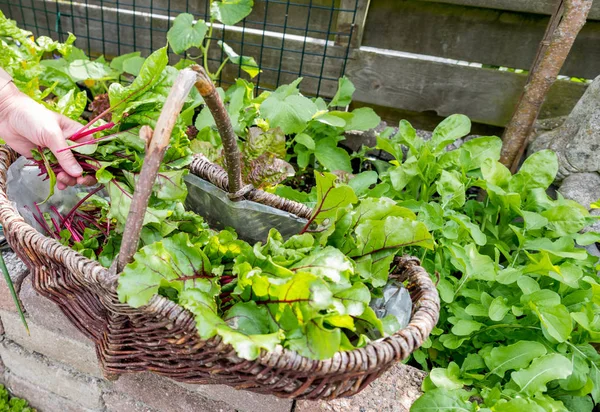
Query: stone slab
{"x": 51, "y": 376}
{"x": 80, "y": 355}
{"x": 395, "y": 391}
{"x": 166, "y": 396}
{"x": 40, "y": 398}
{"x": 115, "y": 402}
{"x": 241, "y": 400}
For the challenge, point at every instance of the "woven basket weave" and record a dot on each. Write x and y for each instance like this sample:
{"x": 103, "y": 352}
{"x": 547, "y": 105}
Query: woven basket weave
{"x": 161, "y": 337}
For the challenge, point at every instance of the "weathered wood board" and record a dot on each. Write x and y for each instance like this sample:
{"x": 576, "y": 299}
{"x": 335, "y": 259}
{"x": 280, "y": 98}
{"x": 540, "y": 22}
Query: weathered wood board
{"x": 296, "y": 17}
{"x": 525, "y": 6}
{"x": 485, "y": 95}
{"x": 487, "y": 36}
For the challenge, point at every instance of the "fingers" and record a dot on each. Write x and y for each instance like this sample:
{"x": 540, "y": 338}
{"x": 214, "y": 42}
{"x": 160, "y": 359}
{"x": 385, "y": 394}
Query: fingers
{"x": 41, "y": 127}
{"x": 56, "y": 142}
{"x": 65, "y": 179}
{"x": 88, "y": 180}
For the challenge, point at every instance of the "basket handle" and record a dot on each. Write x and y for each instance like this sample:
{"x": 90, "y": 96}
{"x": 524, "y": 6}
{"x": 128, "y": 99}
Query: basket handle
{"x": 156, "y": 146}
{"x": 211, "y": 97}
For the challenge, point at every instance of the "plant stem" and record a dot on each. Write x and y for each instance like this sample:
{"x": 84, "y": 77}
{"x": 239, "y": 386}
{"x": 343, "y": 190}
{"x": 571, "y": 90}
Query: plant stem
{"x": 13, "y": 293}
{"x": 206, "y": 47}
{"x": 82, "y": 201}
{"x": 156, "y": 147}
{"x": 232, "y": 153}
{"x": 316, "y": 212}
{"x": 566, "y": 22}
{"x": 221, "y": 67}
{"x": 86, "y": 143}
{"x": 81, "y": 135}
{"x": 289, "y": 302}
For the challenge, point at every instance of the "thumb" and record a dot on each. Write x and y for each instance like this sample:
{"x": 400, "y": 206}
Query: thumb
{"x": 68, "y": 126}
{"x": 56, "y": 142}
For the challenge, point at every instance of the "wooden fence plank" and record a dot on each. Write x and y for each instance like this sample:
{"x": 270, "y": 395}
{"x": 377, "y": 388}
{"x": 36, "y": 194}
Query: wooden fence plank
{"x": 473, "y": 34}
{"x": 526, "y": 6}
{"x": 485, "y": 95}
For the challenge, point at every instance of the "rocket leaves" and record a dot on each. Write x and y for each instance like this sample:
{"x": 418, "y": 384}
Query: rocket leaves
{"x": 511, "y": 273}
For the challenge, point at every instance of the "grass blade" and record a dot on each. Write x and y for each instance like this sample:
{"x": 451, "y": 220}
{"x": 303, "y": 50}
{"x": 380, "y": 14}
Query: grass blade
{"x": 11, "y": 287}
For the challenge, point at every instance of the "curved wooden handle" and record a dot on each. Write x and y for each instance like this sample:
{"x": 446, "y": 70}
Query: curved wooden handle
{"x": 156, "y": 146}
{"x": 207, "y": 90}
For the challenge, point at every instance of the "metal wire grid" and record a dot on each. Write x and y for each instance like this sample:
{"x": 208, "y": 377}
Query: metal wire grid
{"x": 287, "y": 38}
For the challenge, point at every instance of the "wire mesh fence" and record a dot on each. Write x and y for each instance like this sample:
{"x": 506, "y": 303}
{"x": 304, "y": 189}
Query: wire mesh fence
{"x": 287, "y": 38}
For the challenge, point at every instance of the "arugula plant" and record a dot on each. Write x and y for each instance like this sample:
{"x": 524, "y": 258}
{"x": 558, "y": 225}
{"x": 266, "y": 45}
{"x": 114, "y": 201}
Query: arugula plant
{"x": 286, "y": 125}
{"x": 519, "y": 292}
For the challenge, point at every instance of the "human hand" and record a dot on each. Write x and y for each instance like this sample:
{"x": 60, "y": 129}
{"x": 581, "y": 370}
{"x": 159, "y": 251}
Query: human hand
{"x": 25, "y": 125}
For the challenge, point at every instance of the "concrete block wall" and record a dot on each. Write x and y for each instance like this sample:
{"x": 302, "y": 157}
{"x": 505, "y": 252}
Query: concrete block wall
{"x": 56, "y": 370}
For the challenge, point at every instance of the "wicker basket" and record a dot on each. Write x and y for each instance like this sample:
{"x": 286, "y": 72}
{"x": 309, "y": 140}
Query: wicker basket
{"x": 161, "y": 337}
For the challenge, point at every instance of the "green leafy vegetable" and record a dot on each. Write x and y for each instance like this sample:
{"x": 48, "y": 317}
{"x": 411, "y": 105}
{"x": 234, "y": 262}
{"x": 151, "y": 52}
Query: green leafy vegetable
{"x": 185, "y": 33}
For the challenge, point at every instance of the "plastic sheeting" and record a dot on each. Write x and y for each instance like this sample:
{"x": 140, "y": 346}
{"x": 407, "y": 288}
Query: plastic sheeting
{"x": 252, "y": 221}
{"x": 396, "y": 301}
{"x": 25, "y": 188}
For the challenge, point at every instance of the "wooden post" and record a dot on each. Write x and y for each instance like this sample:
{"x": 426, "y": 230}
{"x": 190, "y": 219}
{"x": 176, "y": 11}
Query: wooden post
{"x": 566, "y": 22}
{"x": 348, "y": 22}
{"x": 156, "y": 146}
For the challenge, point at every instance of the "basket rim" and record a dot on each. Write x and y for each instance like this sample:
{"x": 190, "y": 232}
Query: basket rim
{"x": 377, "y": 355}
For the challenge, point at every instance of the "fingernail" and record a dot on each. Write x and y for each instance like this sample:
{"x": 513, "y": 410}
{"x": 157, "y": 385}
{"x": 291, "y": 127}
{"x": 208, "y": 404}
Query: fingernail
{"x": 75, "y": 170}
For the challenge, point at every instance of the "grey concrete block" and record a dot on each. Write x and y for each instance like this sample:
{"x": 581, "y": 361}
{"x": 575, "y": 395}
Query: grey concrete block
{"x": 395, "y": 391}
{"x": 40, "y": 398}
{"x": 166, "y": 396}
{"x": 51, "y": 376}
{"x": 80, "y": 355}
{"x": 116, "y": 402}
{"x": 241, "y": 400}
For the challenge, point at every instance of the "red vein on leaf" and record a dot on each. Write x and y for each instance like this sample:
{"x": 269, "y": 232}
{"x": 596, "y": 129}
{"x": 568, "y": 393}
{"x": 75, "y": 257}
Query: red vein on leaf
{"x": 314, "y": 216}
